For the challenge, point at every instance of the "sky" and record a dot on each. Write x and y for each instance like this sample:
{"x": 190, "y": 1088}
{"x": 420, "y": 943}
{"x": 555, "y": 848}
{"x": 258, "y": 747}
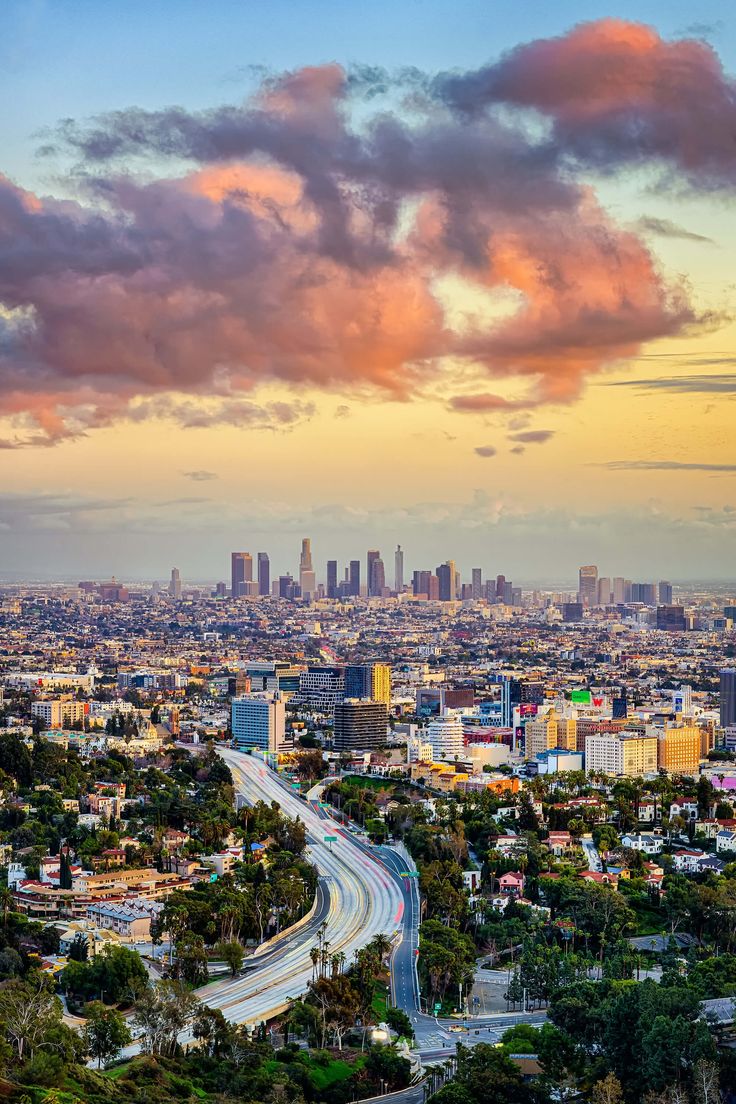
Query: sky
{"x": 448, "y": 274}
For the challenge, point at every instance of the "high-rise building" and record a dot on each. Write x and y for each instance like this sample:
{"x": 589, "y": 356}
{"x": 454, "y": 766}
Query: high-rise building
{"x": 444, "y": 574}
{"x": 664, "y": 594}
{"x": 588, "y": 585}
{"x": 572, "y": 611}
{"x": 624, "y": 753}
{"x": 354, "y": 579}
{"x": 679, "y": 748}
{"x": 477, "y": 582}
{"x": 286, "y": 586}
{"x": 377, "y": 581}
{"x": 398, "y": 569}
{"x": 445, "y": 734}
{"x": 259, "y": 721}
{"x": 500, "y": 586}
{"x": 371, "y": 558}
{"x": 332, "y": 578}
{"x": 241, "y": 572}
{"x": 619, "y": 590}
{"x": 604, "y": 591}
{"x": 307, "y": 579}
{"x": 175, "y": 584}
{"x": 671, "y": 618}
{"x": 264, "y": 574}
{"x": 728, "y": 698}
{"x": 381, "y": 683}
{"x": 359, "y": 725}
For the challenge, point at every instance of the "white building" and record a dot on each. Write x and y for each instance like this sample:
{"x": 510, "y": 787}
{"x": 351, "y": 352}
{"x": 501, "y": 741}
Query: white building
{"x": 418, "y": 750}
{"x": 445, "y": 734}
{"x": 58, "y": 712}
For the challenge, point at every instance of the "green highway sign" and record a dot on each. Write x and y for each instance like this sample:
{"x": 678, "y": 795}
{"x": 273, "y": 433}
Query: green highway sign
{"x": 409, "y": 874}
{"x": 330, "y": 839}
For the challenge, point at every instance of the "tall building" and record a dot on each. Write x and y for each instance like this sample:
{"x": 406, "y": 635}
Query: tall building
{"x": 371, "y": 557}
{"x": 241, "y": 572}
{"x": 332, "y": 578}
{"x": 381, "y": 683}
{"x": 377, "y": 578}
{"x": 321, "y": 687}
{"x": 259, "y": 721}
{"x": 398, "y": 569}
{"x": 175, "y": 584}
{"x": 445, "y": 734}
{"x": 679, "y": 748}
{"x": 728, "y": 698}
{"x": 359, "y": 725}
{"x": 477, "y": 582}
{"x": 547, "y": 732}
{"x": 307, "y": 580}
{"x": 588, "y": 585}
{"x": 619, "y": 590}
{"x": 664, "y": 594}
{"x": 447, "y": 575}
{"x": 354, "y": 578}
{"x": 264, "y": 574}
{"x": 500, "y": 586}
{"x": 624, "y": 753}
{"x": 369, "y": 681}
{"x": 671, "y": 618}
{"x": 604, "y": 592}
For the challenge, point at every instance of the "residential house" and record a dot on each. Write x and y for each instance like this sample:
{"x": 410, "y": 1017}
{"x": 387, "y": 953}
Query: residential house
{"x": 512, "y": 883}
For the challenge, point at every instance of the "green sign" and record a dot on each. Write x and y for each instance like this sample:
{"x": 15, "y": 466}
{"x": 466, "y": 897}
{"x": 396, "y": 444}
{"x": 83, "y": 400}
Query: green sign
{"x": 409, "y": 874}
{"x": 582, "y": 697}
{"x": 330, "y": 839}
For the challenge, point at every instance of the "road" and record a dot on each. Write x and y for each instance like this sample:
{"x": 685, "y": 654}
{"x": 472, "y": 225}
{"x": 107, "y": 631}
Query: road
{"x": 594, "y": 859}
{"x": 359, "y": 899}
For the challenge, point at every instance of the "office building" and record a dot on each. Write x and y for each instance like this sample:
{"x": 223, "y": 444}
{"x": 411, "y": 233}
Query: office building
{"x": 588, "y": 585}
{"x": 548, "y": 732}
{"x": 322, "y": 687}
{"x": 354, "y": 579}
{"x": 572, "y": 611}
{"x": 622, "y": 754}
{"x": 241, "y": 572}
{"x": 619, "y": 591}
{"x": 371, "y": 681}
{"x": 664, "y": 593}
{"x": 175, "y": 584}
{"x": 286, "y": 587}
{"x": 377, "y": 578}
{"x": 307, "y": 579}
{"x": 500, "y": 587}
{"x": 645, "y": 593}
{"x": 728, "y": 698}
{"x": 445, "y": 735}
{"x": 371, "y": 557}
{"x": 604, "y": 592}
{"x": 259, "y": 721}
{"x": 398, "y": 569}
{"x": 332, "y": 578}
{"x": 359, "y": 725}
{"x": 671, "y": 618}
{"x": 476, "y": 583}
{"x": 679, "y": 748}
{"x": 381, "y": 683}
{"x": 264, "y": 574}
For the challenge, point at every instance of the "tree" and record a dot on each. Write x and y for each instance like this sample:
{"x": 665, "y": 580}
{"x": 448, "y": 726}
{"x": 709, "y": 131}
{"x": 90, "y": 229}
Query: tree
{"x": 398, "y": 1020}
{"x": 105, "y": 1033}
{"x": 607, "y": 1091}
{"x": 29, "y": 1011}
{"x": 79, "y": 948}
{"x": 231, "y": 953}
{"x": 162, "y": 1012}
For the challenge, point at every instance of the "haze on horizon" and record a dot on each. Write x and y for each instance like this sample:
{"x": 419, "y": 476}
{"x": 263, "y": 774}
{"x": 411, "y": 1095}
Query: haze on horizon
{"x": 425, "y": 274}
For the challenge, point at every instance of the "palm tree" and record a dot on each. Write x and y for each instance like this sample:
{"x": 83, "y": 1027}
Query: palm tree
{"x": 6, "y": 900}
{"x": 314, "y": 955}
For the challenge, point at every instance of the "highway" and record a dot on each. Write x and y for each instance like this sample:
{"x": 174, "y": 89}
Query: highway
{"x": 358, "y": 898}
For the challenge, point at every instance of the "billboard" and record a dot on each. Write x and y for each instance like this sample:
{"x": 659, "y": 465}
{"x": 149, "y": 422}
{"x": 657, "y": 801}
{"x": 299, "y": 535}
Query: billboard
{"x": 581, "y": 697}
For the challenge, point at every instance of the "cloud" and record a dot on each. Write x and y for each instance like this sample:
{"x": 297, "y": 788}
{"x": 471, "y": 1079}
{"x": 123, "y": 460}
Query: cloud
{"x": 665, "y": 228}
{"x": 532, "y": 436}
{"x": 485, "y": 450}
{"x": 690, "y": 384}
{"x": 616, "y": 93}
{"x": 665, "y": 465}
{"x": 200, "y": 476}
{"x": 300, "y": 237}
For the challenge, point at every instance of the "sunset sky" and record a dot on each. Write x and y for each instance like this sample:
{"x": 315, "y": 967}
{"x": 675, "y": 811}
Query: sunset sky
{"x": 453, "y": 274}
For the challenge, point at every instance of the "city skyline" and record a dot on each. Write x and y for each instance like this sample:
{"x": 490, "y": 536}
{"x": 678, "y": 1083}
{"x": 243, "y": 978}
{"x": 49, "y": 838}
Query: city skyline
{"x": 536, "y": 361}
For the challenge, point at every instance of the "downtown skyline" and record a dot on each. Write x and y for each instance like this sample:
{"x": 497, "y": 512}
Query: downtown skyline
{"x": 525, "y": 350}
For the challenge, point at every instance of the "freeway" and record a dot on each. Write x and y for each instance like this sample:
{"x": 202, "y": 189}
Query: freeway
{"x": 358, "y": 899}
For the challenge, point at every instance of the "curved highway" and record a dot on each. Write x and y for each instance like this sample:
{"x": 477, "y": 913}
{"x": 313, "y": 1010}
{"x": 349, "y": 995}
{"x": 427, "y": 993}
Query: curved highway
{"x": 358, "y": 899}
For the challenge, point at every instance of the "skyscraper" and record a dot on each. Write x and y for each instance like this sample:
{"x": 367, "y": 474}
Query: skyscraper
{"x": 619, "y": 590}
{"x": 373, "y": 555}
{"x": 604, "y": 591}
{"x": 241, "y": 572}
{"x": 477, "y": 582}
{"x": 307, "y": 581}
{"x": 500, "y": 586}
{"x": 359, "y": 725}
{"x": 665, "y": 592}
{"x": 332, "y": 578}
{"x": 354, "y": 578}
{"x": 175, "y": 584}
{"x": 378, "y": 578}
{"x": 728, "y": 698}
{"x": 398, "y": 570}
{"x": 264, "y": 574}
{"x": 446, "y": 575}
{"x": 588, "y": 585}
